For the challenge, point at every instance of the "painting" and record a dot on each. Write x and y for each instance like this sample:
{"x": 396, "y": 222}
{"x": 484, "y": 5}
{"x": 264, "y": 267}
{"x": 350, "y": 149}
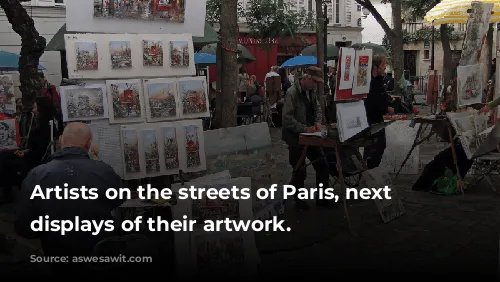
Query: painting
{"x": 346, "y": 73}
{"x": 469, "y": 85}
{"x": 351, "y": 119}
{"x": 192, "y": 146}
{"x": 146, "y": 10}
{"x": 193, "y": 97}
{"x": 87, "y": 57}
{"x": 8, "y": 134}
{"x": 152, "y": 53}
{"x": 171, "y": 148}
{"x": 121, "y": 54}
{"x": 7, "y": 99}
{"x": 363, "y": 72}
{"x": 125, "y": 100}
{"x": 130, "y": 147}
{"x": 151, "y": 153}
{"x": 179, "y": 53}
{"x": 84, "y": 102}
{"x": 214, "y": 251}
{"x": 475, "y": 35}
{"x": 162, "y": 98}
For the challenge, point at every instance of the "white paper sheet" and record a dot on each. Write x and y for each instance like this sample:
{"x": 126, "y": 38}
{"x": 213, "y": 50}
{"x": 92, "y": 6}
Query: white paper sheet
{"x": 106, "y": 145}
{"x": 88, "y": 102}
{"x": 348, "y": 55}
{"x": 363, "y": 72}
{"x": 352, "y": 117}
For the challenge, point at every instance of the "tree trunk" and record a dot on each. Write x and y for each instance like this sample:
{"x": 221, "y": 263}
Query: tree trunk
{"x": 226, "y": 100}
{"x": 32, "y": 47}
{"x": 320, "y": 51}
{"x": 487, "y": 56}
{"x": 448, "y": 66}
{"x": 310, "y": 9}
{"x": 396, "y": 40}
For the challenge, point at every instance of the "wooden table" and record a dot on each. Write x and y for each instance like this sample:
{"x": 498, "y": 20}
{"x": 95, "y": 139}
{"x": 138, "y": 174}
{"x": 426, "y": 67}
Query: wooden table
{"x": 438, "y": 120}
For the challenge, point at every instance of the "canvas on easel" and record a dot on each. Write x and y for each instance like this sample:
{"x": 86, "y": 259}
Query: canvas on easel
{"x": 346, "y": 68}
{"x": 345, "y": 94}
{"x": 362, "y": 72}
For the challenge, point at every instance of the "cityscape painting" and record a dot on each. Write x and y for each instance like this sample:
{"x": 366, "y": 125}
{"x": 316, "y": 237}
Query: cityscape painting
{"x": 121, "y": 54}
{"x": 152, "y": 53}
{"x": 179, "y": 54}
{"x": 87, "y": 57}
{"x": 146, "y": 10}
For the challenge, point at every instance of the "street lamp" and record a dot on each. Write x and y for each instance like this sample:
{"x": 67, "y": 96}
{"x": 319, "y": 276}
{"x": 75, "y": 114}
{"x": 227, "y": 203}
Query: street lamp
{"x": 365, "y": 12}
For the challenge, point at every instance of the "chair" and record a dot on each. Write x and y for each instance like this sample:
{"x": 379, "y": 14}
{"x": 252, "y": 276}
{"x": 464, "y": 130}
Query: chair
{"x": 245, "y": 113}
{"x": 486, "y": 167}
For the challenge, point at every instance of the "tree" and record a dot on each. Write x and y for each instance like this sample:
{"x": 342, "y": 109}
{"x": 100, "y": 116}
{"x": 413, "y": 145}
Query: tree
{"x": 226, "y": 100}
{"x": 32, "y": 47}
{"x": 394, "y": 35}
{"x": 214, "y": 11}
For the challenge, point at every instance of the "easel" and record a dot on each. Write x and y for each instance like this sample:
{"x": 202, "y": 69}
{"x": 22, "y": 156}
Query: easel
{"x": 273, "y": 89}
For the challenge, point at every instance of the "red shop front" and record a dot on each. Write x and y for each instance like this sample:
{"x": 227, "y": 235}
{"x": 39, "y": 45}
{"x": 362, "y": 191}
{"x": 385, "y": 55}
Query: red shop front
{"x": 268, "y": 55}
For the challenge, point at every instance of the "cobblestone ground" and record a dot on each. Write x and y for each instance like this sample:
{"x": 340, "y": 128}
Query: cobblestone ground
{"x": 439, "y": 236}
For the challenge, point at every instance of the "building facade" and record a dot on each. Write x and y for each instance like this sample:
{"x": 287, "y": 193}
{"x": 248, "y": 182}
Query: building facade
{"x": 49, "y": 16}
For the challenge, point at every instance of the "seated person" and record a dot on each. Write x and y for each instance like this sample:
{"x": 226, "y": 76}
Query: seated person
{"x": 256, "y": 101}
{"x": 22, "y": 161}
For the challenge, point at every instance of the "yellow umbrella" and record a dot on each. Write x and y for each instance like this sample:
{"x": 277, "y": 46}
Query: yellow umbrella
{"x": 455, "y": 11}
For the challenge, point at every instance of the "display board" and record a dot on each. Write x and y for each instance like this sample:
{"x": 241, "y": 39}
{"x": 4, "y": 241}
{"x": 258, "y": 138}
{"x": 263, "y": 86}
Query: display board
{"x": 136, "y": 16}
{"x": 98, "y": 56}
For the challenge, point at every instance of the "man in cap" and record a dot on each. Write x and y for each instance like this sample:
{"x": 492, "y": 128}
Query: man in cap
{"x": 302, "y": 113}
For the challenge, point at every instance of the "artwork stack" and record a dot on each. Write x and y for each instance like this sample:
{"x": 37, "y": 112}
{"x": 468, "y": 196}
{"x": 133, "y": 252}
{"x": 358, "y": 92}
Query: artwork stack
{"x": 143, "y": 127}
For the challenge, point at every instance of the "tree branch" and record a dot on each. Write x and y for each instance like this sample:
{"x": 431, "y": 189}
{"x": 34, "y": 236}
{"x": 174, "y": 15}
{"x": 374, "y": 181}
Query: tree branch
{"x": 368, "y": 5}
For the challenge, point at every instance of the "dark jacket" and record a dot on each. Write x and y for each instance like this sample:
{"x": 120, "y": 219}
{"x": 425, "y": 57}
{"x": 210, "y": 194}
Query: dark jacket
{"x": 38, "y": 145}
{"x": 377, "y": 101}
{"x": 74, "y": 167}
{"x": 299, "y": 112}
{"x": 256, "y": 103}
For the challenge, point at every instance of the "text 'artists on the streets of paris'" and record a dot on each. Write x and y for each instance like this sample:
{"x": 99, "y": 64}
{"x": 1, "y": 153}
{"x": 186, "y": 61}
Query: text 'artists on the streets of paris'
{"x": 45, "y": 224}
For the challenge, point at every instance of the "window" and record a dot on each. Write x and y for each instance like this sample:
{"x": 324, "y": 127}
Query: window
{"x": 427, "y": 55}
{"x": 337, "y": 11}
{"x": 359, "y": 8}
{"x": 359, "y": 22}
{"x": 59, "y": 2}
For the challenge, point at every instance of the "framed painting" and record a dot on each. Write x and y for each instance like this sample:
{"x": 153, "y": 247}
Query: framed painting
{"x": 161, "y": 99}
{"x": 143, "y": 10}
{"x": 126, "y": 102}
{"x": 87, "y": 102}
{"x": 193, "y": 97}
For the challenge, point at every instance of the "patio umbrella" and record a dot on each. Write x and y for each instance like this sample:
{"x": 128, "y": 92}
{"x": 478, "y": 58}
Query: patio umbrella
{"x": 456, "y": 11}
{"x": 377, "y": 49}
{"x": 10, "y": 62}
{"x": 300, "y": 61}
{"x": 244, "y": 56}
{"x": 204, "y": 59}
{"x": 332, "y": 51}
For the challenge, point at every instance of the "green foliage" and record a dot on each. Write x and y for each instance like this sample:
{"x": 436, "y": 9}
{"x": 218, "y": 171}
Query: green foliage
{"x": 271, "y": 18}
{"x": 214, "y": 8}
{"x": 423, "y": 34}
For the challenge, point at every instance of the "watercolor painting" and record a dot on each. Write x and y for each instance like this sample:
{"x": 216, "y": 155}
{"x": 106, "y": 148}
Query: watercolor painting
{"x": 171, "y": 148}
{"x": 8, "y": 134}
{"x": 7, "y": 100}
{"x": 126, "y": 101}
{"x": 121, "y": 54}
{"x": 469, "y": 85}
{"x": 161, "y": 100}
{"x": 346, "y": 73}
{"x": 150, "y": 148}
{"x": 362, "y": 75}
{"x": 219, "y": 252}
{"x": 146, "y": 10}
{"x": 192, "y": 146}
{"x": 131, "y": 151}
{"x": 152, "y": 53}
{"x": 84, "y": 103}
{"x": 193, "y": 96}
{"x": 87, "y": 57}
{"x": 179, "y": 54}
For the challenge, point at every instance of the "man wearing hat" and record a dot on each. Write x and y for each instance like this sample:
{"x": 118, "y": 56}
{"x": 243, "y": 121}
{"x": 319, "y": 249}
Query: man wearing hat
{"x": 302, "y": 114}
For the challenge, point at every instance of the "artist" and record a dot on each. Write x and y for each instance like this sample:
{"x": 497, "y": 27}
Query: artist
{"x": 377, "y": 105}
{"x": 302, "y": 113}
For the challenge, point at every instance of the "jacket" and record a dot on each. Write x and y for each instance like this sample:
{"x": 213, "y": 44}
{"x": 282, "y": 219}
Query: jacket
{"x": 377, "y": 101}
{"x": 295, "y": 113}
{"x": 72, "y": 166}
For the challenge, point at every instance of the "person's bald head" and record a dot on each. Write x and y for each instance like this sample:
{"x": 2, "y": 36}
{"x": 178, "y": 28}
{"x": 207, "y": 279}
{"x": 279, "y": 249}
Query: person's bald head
{"x": 76, "y": 134}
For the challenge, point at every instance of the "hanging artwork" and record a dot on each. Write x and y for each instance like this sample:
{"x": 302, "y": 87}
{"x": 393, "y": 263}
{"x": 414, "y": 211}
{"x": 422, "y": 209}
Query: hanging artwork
{"x": 193, "y": 143}
{"x": 125, "y": 101}
{"x": 150, "y": 151}
{"x": 130, "y": 147}
{"x": 193, "y": 97}
{"x": 347, "y": 68}
{"x": 351, "y": 119}
{"x": 87, "y": 57}
{"x": 192, "y": 146}
{"x": 179, "y": 53}
{"x": 7, "y": 100}
{"x": 87, "y": 102}
{"x": 121, "y": 54}
{"x": 152, "y": 53}
{"x": 8, "y": 134}
{"x": 363, "y": 72}
{"x": 147, "y": 10}
{"x": 170, "y": 148}
{"x": 161, "y": 99}
{"x": 469, "y": 85}
{"x": 475, "y": 35}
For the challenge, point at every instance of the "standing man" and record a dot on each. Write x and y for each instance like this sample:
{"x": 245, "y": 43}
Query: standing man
{"x": 73, "y": 166}
{"x": 301, "y": 114}
{"x": 377, "y": 105}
